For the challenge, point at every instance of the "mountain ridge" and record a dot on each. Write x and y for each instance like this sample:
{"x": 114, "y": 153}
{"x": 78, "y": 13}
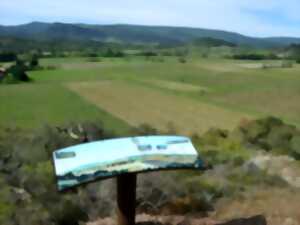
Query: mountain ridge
{"x": 127, "y": 33}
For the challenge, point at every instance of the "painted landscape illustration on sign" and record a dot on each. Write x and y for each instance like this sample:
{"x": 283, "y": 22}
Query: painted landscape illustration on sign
{"x": 103, "y": 159}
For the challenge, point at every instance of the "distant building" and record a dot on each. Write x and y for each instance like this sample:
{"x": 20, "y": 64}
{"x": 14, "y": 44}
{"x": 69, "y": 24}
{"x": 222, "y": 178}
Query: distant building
{"x": 47, "y": 54}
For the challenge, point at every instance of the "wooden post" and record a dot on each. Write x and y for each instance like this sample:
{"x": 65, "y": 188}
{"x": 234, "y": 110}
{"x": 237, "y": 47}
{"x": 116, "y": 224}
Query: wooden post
{"x": 126, "y": 199}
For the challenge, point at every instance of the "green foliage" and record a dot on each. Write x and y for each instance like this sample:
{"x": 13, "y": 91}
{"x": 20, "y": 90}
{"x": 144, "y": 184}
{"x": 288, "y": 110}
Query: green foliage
{"x": 6, "y": 211}
{"x": 218, "y": 148}
{"x": 214, "y": 136}
{"x": 250, "y": 57}
{"x": 212, "y": 42}
{"x": 272, "y": 135}
{"x": 27, "y": 181}
{"x": 31, "y": 214}
{"x": 295, "y": 146}
{"x": 148, "y": 53}
{"x": 7, "y": 206}
{"x": 182, "y": 60}
{"x": 9, "y": 79}
{"x": 222, "y": 155}
{"x": 18, "y": 71}
{"x": 257, "y": 129}
{"x": 34, "y": 62}
{"x": 110, "y": 53}
{"x": 7, "y": 57}
{"x": 145, "y": 129}
{"x": 69, "y": 213}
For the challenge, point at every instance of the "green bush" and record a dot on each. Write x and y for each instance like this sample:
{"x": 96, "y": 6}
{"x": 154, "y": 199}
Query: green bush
{"x": 213, "y": 136}
{"x": 9, "y": 79}
{"x": 145, "y": 129}
{"x": 18, "y": 71}
{"x": 34, "y": 62}
{"x": 7, "y": 205}
{"x": 182, "y": 60}
{"x": 68, "y": 213}
{"x": 295, "y": 147}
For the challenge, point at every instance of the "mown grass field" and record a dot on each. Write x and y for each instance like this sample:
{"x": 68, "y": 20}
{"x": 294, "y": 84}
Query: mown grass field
{"x": 137, "y": 105}
{"x": 193, "y": 96}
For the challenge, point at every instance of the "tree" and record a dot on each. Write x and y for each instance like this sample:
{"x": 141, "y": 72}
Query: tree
{"x": 34, "y": 62}
{"x": 18, "y": 71}
{"x": 7, "y": 57}
{"x": 109, "y": 53}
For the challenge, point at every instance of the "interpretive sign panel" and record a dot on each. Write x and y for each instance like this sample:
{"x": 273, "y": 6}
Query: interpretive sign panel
{"x": 102, "y": 159}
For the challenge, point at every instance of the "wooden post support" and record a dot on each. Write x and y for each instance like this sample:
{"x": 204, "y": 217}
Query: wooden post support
{"x": 126, "y": 199}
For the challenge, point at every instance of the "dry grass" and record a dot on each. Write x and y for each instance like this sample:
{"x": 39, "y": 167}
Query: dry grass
{"x": 138, "y": 105}
{"x": 221, "y": 67}
{"x": 177, "y": 86}
{"x": 280, "y": 206}
{"x": 251, "y": 65}
{"x": 155, "y": 220}
{"x": 283, "y": 102}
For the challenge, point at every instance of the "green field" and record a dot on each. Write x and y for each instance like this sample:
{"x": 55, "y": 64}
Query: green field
{"x": 193, "y": 96}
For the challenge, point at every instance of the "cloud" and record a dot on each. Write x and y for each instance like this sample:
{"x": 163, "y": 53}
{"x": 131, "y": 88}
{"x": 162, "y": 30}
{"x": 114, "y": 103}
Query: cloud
{"x": 250, "y": 17}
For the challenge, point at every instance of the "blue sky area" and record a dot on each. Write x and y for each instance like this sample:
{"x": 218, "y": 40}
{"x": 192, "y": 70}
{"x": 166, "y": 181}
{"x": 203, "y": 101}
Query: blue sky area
{"x": 250, "y": 17}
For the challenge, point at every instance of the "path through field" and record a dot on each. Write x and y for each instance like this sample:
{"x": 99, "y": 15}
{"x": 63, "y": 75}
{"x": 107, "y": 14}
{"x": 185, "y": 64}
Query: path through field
{"x": 137, "y": 105}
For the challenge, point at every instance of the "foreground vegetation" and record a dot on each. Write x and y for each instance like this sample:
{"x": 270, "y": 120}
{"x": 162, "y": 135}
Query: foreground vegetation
{"x": 28, "y": 183}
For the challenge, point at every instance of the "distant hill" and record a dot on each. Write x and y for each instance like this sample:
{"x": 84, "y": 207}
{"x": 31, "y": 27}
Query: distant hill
{"x": 38, "y": 31}
{"x": 212, "y": 42}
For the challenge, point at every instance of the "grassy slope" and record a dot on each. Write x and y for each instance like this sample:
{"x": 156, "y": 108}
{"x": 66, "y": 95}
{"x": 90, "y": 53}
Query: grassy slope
{"x": 231, "y": 86}
{"x": 137, "y": 105}
{"x": 32, "y": 105}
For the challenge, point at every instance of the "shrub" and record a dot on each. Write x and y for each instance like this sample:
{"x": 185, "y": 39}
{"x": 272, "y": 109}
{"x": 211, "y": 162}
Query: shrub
{"x": 34, "y": 62}
{"x": 148, "y": 53}
{"x": 69, "y": 213}
{"x": 213, "y": 136}
{"x": 113, "y": 53}
{"x": 295, "y": 147}
{"x": 182, "y": 60}
{"x": 50, "y": 67}
{"x": 6, "y": 203}
{"x": 18, "y": 71}
{"x": 9, "y": 79}
{"x": 269, "y": 134}
{"x": 224, "y": 154}
{"x": 249, "y": 57}
{"x": 7, "y": 57}
{"x": 145, "y": 129}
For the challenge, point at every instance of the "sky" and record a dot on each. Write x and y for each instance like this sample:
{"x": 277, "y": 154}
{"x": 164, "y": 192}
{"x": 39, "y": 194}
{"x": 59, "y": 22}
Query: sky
{"x": 260, "y": 18}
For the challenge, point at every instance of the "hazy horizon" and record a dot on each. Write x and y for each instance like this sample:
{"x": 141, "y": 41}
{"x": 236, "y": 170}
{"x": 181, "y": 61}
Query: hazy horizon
{"x": 125, "y": 24}
{"x": 252, "y": 18}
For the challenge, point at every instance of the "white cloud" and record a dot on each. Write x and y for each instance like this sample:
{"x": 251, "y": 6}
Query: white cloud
{"x": 282, "y": 17}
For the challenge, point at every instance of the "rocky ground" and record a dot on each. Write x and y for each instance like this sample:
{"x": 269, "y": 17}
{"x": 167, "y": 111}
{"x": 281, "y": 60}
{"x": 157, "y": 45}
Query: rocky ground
{"x": 145, "y": 219}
